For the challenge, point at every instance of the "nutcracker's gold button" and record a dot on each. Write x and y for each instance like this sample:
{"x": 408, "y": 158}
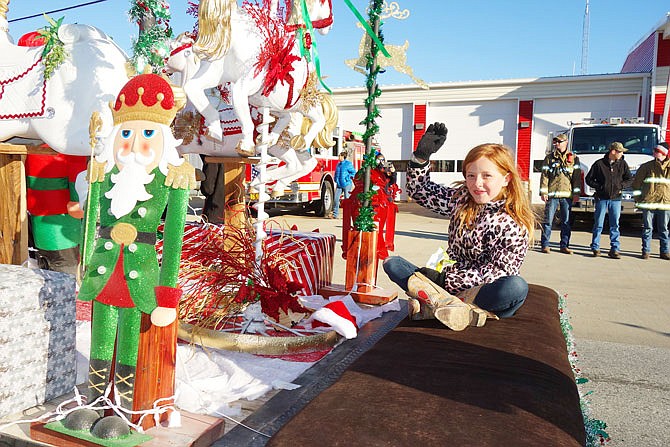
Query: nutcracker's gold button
{"x": 123, "y": 233}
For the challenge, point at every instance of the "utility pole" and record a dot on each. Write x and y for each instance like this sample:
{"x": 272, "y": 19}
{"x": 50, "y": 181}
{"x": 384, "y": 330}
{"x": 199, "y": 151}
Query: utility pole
{"x": 585, "y": 41}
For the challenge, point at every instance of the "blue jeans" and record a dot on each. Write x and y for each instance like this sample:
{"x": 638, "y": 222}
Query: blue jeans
{"x": 549, "y": 212}
{"x": 662, "y": 218}
{"x": 502, "y": 297}
{"x": 338, "y": 191}
{"x": 613, "y": 209}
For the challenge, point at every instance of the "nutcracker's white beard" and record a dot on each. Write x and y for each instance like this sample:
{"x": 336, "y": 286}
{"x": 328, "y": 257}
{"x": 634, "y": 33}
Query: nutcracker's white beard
{"x": 129, "y": 183}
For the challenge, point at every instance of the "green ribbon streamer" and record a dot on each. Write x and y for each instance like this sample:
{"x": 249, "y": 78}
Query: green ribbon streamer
{"x": 367, "y": 27}
{"x": 310, "y": 28}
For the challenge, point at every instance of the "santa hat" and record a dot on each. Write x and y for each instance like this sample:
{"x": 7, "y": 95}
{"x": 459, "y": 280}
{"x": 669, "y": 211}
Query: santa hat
{"x": 662, "y": 148}
{"x": 336, "y": 315}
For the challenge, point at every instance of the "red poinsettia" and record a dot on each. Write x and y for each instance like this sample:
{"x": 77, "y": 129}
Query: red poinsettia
{"x": 280, "y": 66}
{"x": 246, "y": 293}
{"x": 279, "y": 294}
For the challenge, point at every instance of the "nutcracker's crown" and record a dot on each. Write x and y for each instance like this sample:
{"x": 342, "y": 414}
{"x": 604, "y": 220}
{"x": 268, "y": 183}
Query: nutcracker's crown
{"x": 147, "y": 97}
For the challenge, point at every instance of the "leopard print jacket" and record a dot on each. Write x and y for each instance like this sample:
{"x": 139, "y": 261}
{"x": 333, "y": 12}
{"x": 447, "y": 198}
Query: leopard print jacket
{"x": 494, "y": 248}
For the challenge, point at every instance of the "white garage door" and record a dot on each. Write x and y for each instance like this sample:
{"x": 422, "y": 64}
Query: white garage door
{"x": 470, "y": 124}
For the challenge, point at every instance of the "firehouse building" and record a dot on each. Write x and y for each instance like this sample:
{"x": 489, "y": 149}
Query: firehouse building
{"x": 519, "y": 113}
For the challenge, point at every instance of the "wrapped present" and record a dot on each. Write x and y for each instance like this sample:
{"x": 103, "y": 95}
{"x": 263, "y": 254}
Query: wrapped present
{"x": 310, "y": 254}
{"x": 37, "y": 337}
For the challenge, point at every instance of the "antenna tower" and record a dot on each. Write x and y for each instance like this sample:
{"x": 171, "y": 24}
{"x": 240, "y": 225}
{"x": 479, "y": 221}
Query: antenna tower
{"x": 585, "y": 41}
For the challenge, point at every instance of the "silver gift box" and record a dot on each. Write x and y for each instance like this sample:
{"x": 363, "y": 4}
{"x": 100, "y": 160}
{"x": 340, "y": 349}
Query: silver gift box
{"x": 37, "y": 337}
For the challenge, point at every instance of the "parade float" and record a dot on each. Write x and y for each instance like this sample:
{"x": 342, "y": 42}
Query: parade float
{"x": 244, "y": 286}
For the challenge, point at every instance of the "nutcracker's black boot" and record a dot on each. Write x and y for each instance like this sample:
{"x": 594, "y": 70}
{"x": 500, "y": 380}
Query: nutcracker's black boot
{"x": 124, "y": 380}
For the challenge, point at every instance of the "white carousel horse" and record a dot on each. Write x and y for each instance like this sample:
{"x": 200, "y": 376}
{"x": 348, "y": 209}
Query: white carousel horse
{"x": 263, "y": 69}
{"x": 182, "y": 64}
{"x": 185, "y": 63}
{"x": 57, "y": 110}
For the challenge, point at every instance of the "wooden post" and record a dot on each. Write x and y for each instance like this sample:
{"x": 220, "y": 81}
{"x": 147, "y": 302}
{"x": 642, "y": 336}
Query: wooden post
{"x": 360, "y": 279}
{"x": 155, "y": 377}
{"x": 13, "y": 222}
{"x": 362, "y": 261}
{"x": 13, "y": 216}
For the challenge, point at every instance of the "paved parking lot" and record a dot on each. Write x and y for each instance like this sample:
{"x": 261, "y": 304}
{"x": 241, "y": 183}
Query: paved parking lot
{"x": 620, "y": 313}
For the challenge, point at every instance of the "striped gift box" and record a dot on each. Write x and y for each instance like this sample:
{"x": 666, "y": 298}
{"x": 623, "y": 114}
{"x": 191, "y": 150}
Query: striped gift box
{"x": 310, "y": 253}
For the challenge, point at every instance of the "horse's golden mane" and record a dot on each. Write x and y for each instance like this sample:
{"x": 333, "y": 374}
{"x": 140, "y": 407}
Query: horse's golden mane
{"x": 324, "y": 139}
{"x": 214, "y": 28}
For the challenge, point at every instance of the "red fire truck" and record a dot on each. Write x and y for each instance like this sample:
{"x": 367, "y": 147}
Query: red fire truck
{"x": 315, "y": 191}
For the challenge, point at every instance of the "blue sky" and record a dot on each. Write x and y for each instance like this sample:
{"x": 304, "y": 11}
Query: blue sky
{"x": 448, "y": 40}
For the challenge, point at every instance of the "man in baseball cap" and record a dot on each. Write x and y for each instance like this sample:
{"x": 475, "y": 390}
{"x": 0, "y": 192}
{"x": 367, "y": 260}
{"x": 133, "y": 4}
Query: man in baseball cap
{"x": 608, "y": 176}
{"x": 560, "y": 187}
{"x": 561, "y": 137}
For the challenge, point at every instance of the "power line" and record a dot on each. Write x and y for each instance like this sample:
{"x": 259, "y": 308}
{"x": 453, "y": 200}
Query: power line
{"x": 57, "y": 10}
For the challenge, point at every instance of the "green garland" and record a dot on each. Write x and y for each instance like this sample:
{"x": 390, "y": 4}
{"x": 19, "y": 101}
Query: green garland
{"x": 153, "y": 44}
{"x": 595, "y": 428}
{"x": 53, "y": 53}
{"x": 365, "y": 220}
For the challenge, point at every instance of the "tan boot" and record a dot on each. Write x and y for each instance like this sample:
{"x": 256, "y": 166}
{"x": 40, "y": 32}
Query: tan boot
{"x": 457, "y": 317}
{"x": 447, "y": 308}
{"x": 426, "y": 291}
{"x": 418, "y": 310}
{"x": 468, "y": 296}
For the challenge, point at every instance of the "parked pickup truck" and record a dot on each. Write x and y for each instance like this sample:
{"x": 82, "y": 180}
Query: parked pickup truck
{"x": 590, "y": 141}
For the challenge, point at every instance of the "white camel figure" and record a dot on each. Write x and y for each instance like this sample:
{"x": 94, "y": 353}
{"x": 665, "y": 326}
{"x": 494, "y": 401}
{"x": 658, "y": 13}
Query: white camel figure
{"x": 57, "y": 110}
{"x": 185, "y": 63}
{"x": 262, "y": 61}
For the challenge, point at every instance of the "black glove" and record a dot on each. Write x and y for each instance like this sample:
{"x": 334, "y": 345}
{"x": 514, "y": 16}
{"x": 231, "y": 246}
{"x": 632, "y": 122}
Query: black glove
{"x": 431, "y": 141}
{"x": 434, "y": 275}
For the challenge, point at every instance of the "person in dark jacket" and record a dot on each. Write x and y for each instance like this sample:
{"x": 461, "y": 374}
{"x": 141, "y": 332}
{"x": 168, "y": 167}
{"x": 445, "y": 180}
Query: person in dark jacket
{"x": 608, "y": 176}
